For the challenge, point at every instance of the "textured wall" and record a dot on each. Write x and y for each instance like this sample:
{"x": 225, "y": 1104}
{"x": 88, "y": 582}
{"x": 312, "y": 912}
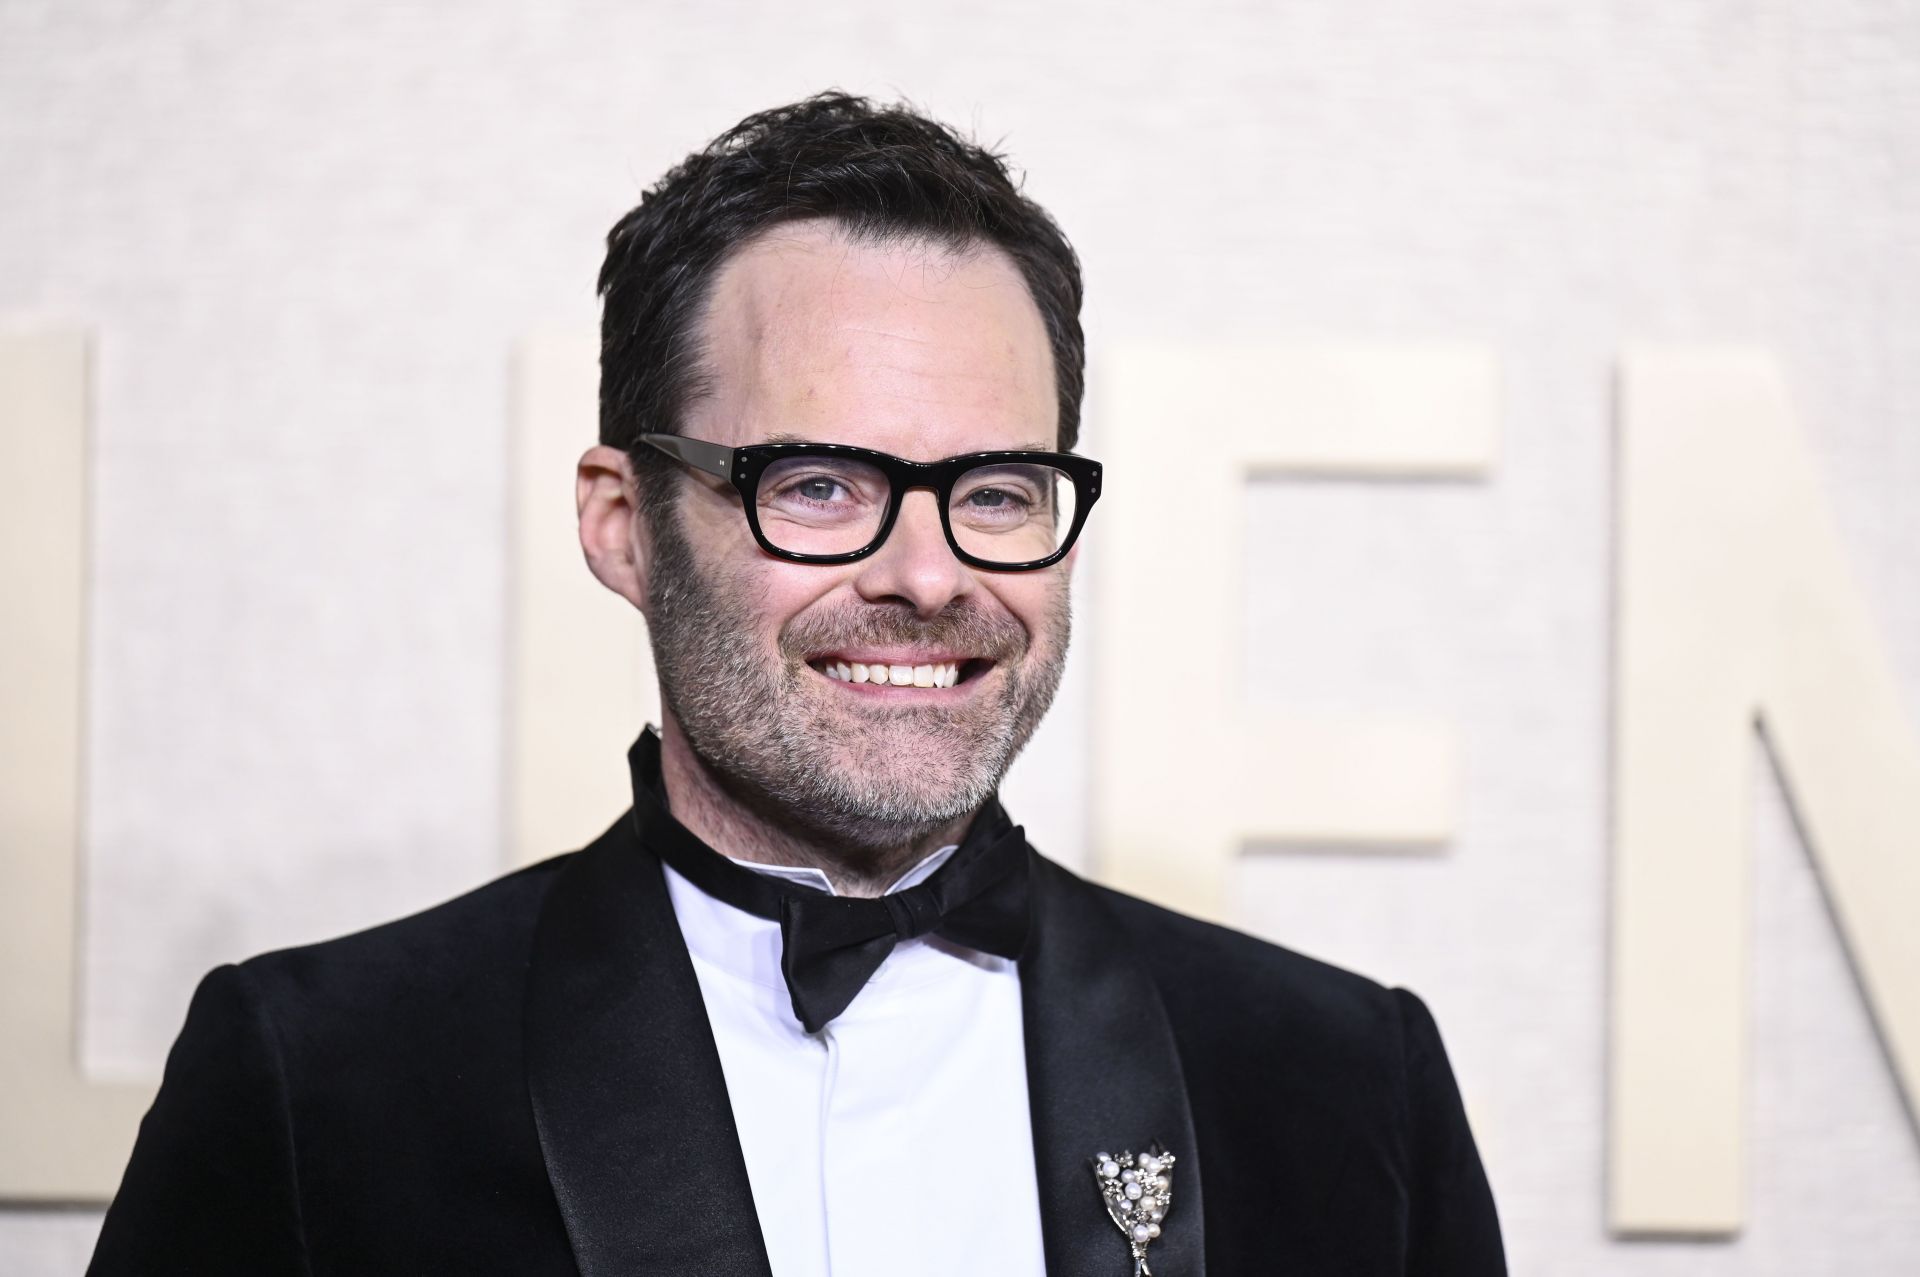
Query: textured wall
{"x": 308, "y": 236}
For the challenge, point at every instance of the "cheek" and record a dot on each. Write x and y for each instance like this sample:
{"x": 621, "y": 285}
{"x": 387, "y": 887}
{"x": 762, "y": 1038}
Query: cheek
{"x": 713, "y": 522}
{"x": 781, "y": 593}
{"x": 1039, "y": 602}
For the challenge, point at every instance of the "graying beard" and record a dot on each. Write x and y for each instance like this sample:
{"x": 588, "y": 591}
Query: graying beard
{"x": 876, "y": 817}
{"x": 721, "y": 695}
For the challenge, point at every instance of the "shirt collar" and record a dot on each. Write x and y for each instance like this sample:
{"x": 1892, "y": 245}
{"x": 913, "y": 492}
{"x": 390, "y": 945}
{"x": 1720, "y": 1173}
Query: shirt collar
{"x": 747, "y": 945}
{"x": 808, "y": 876}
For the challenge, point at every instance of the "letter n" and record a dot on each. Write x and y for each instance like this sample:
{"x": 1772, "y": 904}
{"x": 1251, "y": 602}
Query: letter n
{"x": 1736, "y": 609}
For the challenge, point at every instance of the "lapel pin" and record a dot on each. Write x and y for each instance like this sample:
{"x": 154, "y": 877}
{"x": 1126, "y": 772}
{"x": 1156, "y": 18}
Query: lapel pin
{"x": 1137, "y": 1190}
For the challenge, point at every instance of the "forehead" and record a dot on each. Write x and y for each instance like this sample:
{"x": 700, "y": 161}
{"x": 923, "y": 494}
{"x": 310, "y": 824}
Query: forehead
{"x": 905, "y": 346}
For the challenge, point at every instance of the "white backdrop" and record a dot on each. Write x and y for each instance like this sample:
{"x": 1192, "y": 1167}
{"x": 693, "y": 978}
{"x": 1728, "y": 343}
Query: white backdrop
{"x": 307, "y": 238}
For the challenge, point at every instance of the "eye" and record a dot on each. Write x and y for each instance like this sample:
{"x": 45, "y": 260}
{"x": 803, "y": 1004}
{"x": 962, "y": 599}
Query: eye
{"x": 996, "y": 499}
{"x": 1000, "y": 493}
{"x": 819, "y": 489}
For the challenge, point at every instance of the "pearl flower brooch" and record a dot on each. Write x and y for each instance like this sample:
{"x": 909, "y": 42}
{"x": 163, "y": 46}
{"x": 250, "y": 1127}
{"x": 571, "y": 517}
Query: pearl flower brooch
{"x": 1138, "y": 1192}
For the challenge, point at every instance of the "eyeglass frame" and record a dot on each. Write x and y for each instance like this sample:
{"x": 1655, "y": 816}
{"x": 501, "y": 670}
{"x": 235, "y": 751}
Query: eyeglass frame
{"x": 743, "y": 467}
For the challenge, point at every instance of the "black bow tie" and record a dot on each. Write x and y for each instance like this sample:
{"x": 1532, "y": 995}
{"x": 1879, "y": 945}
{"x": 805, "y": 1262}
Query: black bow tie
{"x": 831, "y": 945}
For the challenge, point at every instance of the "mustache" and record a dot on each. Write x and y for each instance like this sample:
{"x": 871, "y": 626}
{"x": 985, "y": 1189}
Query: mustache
{"x": 961, "y": 626}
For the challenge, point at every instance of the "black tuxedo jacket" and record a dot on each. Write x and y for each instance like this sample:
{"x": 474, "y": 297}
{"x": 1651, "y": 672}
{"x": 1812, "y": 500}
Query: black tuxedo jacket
{"x": 523, "y": 1081}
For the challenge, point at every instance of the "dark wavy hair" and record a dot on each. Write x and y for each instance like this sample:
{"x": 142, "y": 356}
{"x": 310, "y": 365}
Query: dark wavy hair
{"x": 884, "y": 173}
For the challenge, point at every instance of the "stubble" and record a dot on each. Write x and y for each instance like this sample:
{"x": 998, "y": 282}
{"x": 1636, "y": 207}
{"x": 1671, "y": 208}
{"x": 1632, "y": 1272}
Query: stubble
{"x": 860, "y": 776}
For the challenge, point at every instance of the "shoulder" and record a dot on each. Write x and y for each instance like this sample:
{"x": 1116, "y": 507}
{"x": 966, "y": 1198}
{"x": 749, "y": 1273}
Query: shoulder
{"x": 485, "y": 924}
{"x": 1205, "y": 959}
{"x": 1255, "y": 1002}
{"x": 467, "y": 955}
{"x": 1303, "y": 1074}
{"x": 1280, "y": 1050}
{"x": 396, "y": 1048}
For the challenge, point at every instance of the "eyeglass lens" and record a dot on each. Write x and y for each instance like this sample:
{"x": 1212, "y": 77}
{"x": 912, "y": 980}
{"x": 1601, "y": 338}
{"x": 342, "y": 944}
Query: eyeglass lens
{"x": 1001, "y": 513}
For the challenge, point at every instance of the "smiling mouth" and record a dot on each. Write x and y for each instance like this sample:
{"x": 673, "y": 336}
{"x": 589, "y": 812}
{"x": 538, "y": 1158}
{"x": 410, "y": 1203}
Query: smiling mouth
{"x": 889, "y": 674}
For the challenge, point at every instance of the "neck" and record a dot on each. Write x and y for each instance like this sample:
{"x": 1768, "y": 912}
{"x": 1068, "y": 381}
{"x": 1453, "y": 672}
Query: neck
{"x": 735, "y": 828}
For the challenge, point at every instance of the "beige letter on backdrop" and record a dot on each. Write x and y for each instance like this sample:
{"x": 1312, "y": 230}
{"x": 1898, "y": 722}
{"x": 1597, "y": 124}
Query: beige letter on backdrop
{"x": 580, "y": 673}
{"x": 1184, "y": 774}
{"x": 61, "y": 1137}
{"x": 1735, "y": 605}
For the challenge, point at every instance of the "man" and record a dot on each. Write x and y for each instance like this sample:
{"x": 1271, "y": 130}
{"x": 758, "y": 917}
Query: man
{"x": 813, "y": 1006}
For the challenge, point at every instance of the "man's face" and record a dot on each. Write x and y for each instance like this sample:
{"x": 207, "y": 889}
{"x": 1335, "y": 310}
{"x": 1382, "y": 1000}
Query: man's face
{"x": 911, "y": 350}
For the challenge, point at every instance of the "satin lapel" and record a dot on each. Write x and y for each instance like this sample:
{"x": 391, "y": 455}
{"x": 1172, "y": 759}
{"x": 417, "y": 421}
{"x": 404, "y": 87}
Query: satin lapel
{"x": 1103, "y": 1075}
{"x": 627, "y": 1091}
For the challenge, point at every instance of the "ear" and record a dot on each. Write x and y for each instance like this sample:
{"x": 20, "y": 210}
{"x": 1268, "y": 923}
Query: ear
{"x": 613, "y": 535}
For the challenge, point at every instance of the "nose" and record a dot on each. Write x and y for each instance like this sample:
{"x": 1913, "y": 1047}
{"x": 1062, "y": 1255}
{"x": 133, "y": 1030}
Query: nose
{"x": 915, "y": 565}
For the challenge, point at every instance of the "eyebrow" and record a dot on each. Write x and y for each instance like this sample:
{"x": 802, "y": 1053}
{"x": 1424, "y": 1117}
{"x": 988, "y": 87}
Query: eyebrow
{"x": 787, "y": 436}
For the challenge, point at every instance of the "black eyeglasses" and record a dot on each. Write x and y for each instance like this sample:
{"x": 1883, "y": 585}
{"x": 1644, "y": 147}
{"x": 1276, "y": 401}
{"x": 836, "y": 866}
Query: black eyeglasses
{"x": 834, "y": 503}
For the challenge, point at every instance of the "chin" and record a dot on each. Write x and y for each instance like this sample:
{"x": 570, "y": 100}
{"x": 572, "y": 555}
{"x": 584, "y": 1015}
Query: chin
{"x": 884, "y": 797}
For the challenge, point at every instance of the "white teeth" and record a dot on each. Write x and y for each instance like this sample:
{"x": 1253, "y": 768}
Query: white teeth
{"x": 945, "y": 674}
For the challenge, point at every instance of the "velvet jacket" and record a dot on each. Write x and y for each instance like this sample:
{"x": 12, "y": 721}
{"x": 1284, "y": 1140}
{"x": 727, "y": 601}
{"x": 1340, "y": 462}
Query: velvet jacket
{"x": 522, "y": 1081}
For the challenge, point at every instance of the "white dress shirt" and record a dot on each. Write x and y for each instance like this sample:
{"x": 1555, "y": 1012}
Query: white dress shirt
{"x": 897, "y": 1141}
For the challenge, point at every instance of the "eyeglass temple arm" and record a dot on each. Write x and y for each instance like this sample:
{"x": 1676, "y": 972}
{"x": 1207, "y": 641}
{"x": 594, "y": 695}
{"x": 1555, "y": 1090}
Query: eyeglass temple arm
{"x": 698, "y": 453}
